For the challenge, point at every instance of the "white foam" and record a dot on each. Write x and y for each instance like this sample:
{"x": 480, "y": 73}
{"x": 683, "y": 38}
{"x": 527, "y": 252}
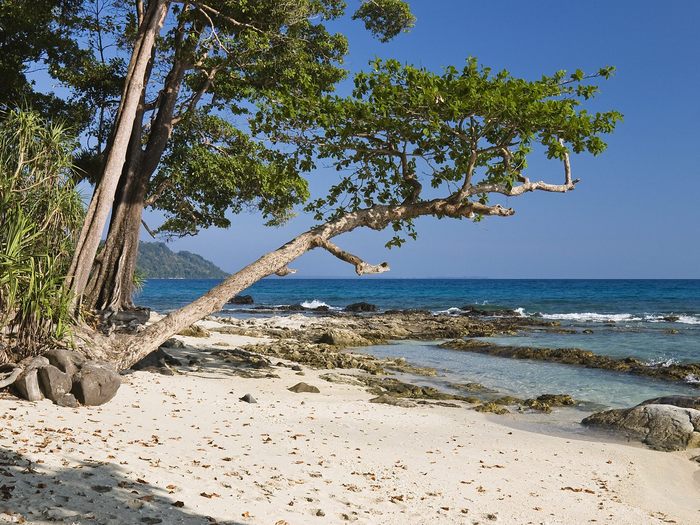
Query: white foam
{"x": 316, "y": 304}
{"x": 520, "y": 311}
{"x": 688, "y": 319}
{"x": 450, "y": 311}
{"x": 593, "y": 317}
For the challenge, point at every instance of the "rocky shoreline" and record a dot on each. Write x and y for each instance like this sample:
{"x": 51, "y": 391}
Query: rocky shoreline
{"x": 326, "y": 342}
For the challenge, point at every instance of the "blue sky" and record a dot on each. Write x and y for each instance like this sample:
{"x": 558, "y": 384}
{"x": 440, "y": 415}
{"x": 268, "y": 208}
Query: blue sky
{"x": 636, "y": 213}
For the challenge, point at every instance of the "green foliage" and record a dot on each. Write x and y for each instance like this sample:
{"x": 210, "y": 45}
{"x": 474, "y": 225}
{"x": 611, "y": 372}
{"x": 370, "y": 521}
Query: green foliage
{"x": 404, "y": 128}
{"x": 37, "y": 35}
{"x": 213, "y": 167}
{"x": 385, "y": 18}
{"x": 157, "y": 261}
{"x": 41, "y": 214}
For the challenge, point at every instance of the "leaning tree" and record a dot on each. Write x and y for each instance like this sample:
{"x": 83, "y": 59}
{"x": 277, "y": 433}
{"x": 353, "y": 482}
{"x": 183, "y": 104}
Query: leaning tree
{"x": 407, "y": 143}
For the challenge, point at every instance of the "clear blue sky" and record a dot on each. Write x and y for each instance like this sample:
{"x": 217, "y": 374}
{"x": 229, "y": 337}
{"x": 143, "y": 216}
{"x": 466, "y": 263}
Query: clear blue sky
{"x": 636, "y": 213}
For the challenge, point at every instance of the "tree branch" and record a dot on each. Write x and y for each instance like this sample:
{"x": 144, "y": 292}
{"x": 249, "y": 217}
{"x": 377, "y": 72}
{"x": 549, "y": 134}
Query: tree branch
{"x": 11, "y": 377}
{"x": 361, "y": 267}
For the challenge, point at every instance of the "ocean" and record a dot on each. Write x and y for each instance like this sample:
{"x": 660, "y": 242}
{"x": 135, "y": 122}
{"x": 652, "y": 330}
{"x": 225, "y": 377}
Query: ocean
{"x": 657, "y": 321}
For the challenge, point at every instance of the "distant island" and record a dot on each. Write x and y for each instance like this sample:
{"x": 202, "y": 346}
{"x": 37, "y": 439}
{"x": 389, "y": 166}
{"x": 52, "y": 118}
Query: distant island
{"x": 157, "y": 261}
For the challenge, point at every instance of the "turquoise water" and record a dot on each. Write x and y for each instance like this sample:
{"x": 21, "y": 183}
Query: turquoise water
{"x": 654, "y": 320}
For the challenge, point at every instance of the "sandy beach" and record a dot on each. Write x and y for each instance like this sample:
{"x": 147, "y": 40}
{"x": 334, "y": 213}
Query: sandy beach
{"x": 184, "y": 449}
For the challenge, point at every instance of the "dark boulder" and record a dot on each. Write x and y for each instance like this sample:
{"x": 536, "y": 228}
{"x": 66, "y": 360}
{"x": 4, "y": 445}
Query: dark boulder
{"x": 360, "y": 307}
{"x": 248, "y": 399}
{"x": 27, "y": 384}
{"x": 95, "y": 383}
{"x": 54, "y": 384}
{"x": 65, "y": 360}
{"x": 67, "y": 400}
{"x": 241, "y": 299}
{"x": 157, "y": 361}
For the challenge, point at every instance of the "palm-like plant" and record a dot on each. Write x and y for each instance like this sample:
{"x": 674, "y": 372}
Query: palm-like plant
{"x": 40, "y": 213}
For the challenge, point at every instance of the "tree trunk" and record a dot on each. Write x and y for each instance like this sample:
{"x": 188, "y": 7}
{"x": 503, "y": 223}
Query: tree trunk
{"x": 103, "y": 197}
{"x": 111, "y": 285}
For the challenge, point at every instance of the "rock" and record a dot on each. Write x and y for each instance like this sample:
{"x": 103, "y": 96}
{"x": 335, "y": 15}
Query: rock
{"x": 342, "y": 338}
{"x": 241, "y": 299}
{"x": 304, "y": 387}
{"x": 248, "y": 399}
{"x": 296, "y": 368}
{"x": 134, "y": 316}
{"x": 341, "y": 378}
{"x": 173, "y": 343}
{"x": 157, "y": 361}
{"x": 661, "y": 427}
{"x": 67, "y": 400}
{"x": 578, "y": 357}
{"x": 360, "y": 307}
{"x": 194, "y": 331}
{"x": 27, "y": 384}
{"x": 479, "y": 311}
{"x": 508, "y": 400}
{"x": 471, "y": 387}
{"x": 95, "y": 383}
{"x": 54, "y": 384}
{"x": 393, "y": 400}
{"x": 545, "y": 402}
{"x": 493, "y": 408}
{"x": 587, "y": 331}
{"x": 677, "y": 401}
{"x": 65, "y": 360}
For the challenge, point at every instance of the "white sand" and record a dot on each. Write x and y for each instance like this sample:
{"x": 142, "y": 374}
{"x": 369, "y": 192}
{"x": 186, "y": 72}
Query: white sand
{"x": 315, "y": 458}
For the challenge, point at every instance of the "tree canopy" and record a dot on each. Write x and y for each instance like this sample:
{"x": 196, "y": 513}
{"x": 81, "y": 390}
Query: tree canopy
{"x": 465, "y": 133}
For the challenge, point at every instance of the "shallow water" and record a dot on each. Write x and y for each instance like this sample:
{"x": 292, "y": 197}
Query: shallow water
{"x": 523, "y": 378}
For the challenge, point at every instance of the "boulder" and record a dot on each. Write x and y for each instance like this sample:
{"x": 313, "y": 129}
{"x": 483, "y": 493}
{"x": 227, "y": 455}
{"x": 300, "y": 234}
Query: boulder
{"x": 54, "y": 384}
{"x": 67, "y": 400}
{"x": 27, "y": 384}
{"x": 173, "y": 343}
{"x": 360, "y": 307}
{"x": 677, "y": 401}
{"x": 157, "y": 361}
{"x": 660, "y": 426}
{"x": 95, "y": 383}
{"x": 65, "y": 360}
{"x": 241, "y": 299}
{"x": 303, "y": 387}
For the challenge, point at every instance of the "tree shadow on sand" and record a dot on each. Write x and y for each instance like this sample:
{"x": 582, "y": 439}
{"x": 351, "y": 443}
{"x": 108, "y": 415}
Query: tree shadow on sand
{"x": 85, "y": 493}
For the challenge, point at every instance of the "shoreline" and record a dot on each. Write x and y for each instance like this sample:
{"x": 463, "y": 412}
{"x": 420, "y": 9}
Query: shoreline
{"x": 182, "y": 448}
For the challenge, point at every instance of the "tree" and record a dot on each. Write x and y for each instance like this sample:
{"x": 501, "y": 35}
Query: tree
{"x": 38, "y": 36}
{"x": 189, "y": 151}
{"x": 464, "y": 134}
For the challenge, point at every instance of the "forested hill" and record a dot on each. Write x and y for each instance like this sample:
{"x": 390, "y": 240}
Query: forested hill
{"x": 157, "y": 261}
